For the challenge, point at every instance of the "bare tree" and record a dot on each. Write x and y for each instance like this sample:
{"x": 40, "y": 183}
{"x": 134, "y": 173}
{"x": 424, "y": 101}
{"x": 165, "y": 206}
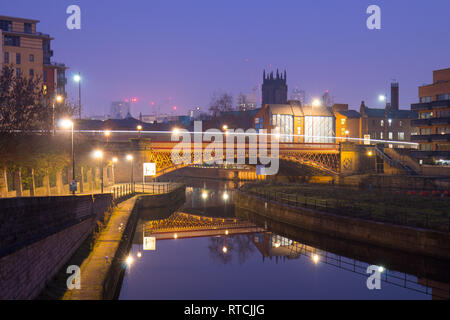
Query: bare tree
{"x": 220, "y": 103}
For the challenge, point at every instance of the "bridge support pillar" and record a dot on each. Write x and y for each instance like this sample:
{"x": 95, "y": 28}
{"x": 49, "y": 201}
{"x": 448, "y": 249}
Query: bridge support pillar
{"x": 356, "y": 158}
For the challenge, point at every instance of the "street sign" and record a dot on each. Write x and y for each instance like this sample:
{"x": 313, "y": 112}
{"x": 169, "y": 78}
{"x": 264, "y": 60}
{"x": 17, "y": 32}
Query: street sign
{"x": 367, "y": 139}
{"x": 149, "y": 169}
{"x": 149, "y": 243}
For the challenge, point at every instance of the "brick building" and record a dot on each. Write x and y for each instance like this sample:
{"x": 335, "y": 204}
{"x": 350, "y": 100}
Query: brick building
{"x": 433, "y": 120}
{"x": 29, "y": 52}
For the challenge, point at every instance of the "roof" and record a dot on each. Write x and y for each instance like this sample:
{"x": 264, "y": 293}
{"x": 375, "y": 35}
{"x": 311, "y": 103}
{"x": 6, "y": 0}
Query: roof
{"x": 393, "y": 114}
{"x": 351, "y": 114}
{"x": 19, "y": 19}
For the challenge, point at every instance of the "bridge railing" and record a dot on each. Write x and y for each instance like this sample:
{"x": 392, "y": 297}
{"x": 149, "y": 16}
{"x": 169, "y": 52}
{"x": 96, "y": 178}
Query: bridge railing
{"x": 435, "y": 222}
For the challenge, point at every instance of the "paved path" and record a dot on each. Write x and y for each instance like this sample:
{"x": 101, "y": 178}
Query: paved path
{"x": 95, "y": 267}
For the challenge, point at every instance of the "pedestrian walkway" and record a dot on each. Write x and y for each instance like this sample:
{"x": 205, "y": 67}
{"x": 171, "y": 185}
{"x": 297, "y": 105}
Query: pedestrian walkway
{"x": 95, "y": 267}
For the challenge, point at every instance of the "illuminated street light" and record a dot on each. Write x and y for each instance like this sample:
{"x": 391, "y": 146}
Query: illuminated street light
{"x": 224, "y": 249}
{"x": 204, "y": 195}
{"x": 226, "y": 232}
{"x": 175, "y": 131}
{"x": 130, "y": 158}
{"x": 77, "y": 78}
{"x": 107, "y": 133}
{"x": 370, "y": 153}
{"x": 98, "y": 154}
{"x": 58, "y": 99}
{"x": 225, "y": 127}
{"x": 380, "y": 269}
{"x": 68, "y": 124}
{"x": 115, "y": 160}
{"x": 129, "y": 260}
{"x": 139, "y": 254}
{"x": 382, "y": 97}
{"x": 316, "y": 103}
{"x": 225, "y": 196}
{"x": 175, "y": 236}
{"x": 315, "y": 258}
{"x": 139, "y": 128}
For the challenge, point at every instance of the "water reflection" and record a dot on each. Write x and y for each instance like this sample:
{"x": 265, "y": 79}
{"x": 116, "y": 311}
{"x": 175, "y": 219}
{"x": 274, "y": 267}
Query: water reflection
{"x": 209, "y": 250}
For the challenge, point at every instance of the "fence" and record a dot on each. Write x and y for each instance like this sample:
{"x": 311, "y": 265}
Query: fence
{"x": 436, "y": 222}
{"x": 158, "y": 187}
{"x": 123, "y": 192}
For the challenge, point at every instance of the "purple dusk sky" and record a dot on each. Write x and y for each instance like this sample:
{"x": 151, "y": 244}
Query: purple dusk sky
{"x": 184, "y": 51}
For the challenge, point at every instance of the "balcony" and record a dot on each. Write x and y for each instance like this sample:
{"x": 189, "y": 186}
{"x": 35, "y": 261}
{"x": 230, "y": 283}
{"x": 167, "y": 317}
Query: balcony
{"x": 430, "y": 105}
{"x": 430, "y": 122}
{"x": 431, "y": 138}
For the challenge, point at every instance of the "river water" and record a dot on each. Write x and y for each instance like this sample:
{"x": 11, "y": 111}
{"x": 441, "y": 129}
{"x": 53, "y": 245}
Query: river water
{"x": 205, "y": 251}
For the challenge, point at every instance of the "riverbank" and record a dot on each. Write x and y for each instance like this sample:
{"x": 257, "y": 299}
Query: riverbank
{"x": 103, "y": 264}
{"x": 414, "y": 240}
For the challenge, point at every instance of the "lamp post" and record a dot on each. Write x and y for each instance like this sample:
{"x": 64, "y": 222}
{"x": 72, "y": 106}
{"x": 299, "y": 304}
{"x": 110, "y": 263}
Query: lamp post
{"x": 98, "y": 154}
{"x": 139, "y": 128}
{"x": 107, "y": 135}
{"x": 114, "y": 161}
{"x": 58, "y": 99}
{"x": 66, "y": 124}
{"x": 315, "y": 103}
{"x": 77, "y": 78}
{"x": 130, "y": 158}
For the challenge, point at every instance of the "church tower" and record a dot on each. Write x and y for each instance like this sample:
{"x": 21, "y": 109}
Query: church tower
{"x": 274, "y": 89}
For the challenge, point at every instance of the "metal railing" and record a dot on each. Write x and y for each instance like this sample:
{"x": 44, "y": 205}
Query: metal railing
{"x": 123, "y": 192}
{"x": 158, "y": 187}
{"x": 436, "y": 222}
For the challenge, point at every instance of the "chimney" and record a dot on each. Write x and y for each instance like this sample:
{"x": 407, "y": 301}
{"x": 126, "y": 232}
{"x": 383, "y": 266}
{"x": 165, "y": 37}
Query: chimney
{"x": 394, "y": 96}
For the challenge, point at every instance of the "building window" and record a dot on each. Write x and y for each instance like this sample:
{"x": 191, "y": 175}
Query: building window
{"x": 6, "y": 57}
{"x": 6, "y": 25}
{"x": 382, "y": 123}
{"x": 31, "y": 57}
{"x": 18, "y": 58}
{"x": 390, "y": 122}
{"x": 13, "y": 41}
{"x": 425, "y": 131}
{"x": 31, "y": 73}
{"x": 426, "y": 99}
{"x": 426, "y": 115}
{"x": 401, "y": 136}
{"x": 442, "y": 97}
{"x": 343, "y": 121}
{"x": 18, "y": 72}
{"x": 27, "y": 28}
{"x": 400, "y": 123}
{"x": 381, "y": 135}
{"x": 373, "y": 135}
{"x": 391, "y": 136}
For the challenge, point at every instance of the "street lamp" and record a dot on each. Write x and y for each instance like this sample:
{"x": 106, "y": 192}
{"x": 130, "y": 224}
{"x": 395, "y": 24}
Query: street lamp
{"x": 139, "y": 128}
{"x": 68, "y": 124}
{"x": 77, "y": 78}
{"x": 107, "y": 135}
{"x": 315, "y": 103}
{"x": 130, "y": 158}
{"x": 58, "y": 99}
{"x": 114, "y": 161}
{"x": 98, "y": 154}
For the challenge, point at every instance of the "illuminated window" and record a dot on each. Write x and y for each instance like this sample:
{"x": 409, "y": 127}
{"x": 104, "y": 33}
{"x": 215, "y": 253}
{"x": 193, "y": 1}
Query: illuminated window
{"x": 391, "y": 136}
{"x": 343, "y": 121}
{"x": 382, "y": 123}
{"x": 401, "y": 136}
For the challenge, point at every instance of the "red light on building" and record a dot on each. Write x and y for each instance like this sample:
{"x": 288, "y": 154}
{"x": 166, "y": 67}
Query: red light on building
{"x": 134, "y": 100}
{"x": 175, "y": 108}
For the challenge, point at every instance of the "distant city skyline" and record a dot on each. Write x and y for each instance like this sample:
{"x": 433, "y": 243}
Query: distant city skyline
{"x": 180, "y": 54}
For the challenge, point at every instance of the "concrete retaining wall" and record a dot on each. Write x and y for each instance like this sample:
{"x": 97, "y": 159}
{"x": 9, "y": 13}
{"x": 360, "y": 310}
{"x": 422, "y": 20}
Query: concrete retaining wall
{"x": 412, "y": 240}
{"x": 38, "y": 235}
